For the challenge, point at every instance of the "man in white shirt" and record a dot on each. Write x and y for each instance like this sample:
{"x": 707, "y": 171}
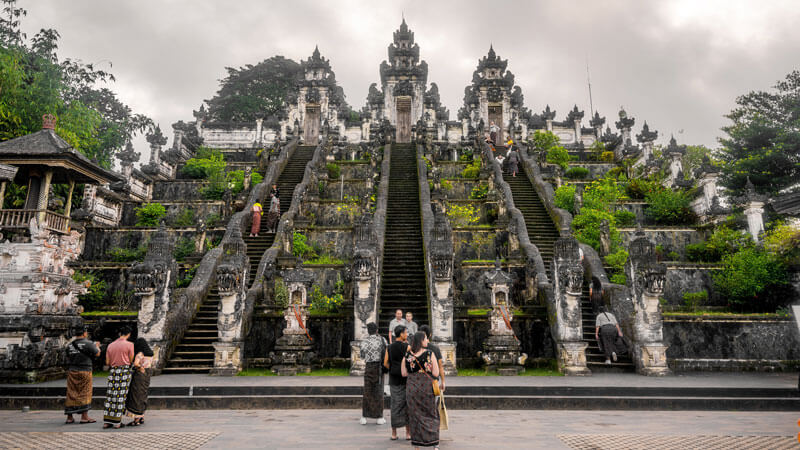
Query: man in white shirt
{"x": 410, "y": 324}
{"x": 606, "y": 331}
{"x": 398, "y": 320}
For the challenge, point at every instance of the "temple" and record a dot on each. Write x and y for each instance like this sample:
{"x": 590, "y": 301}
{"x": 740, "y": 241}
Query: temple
{"x": 392, "y": 206}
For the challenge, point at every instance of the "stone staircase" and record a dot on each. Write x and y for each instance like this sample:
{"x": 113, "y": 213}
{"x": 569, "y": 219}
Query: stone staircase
{"x": 541, "y": 230}
{"x": 195, "y": 353}
{"x": 595, "y": 359}
{"x": 403, "y": 284}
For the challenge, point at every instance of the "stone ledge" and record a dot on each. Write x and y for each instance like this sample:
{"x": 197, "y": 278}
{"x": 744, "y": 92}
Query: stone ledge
{"x": 732, "y": 365}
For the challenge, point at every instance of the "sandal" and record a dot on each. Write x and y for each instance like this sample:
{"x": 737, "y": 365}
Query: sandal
{"x": 394, "y": 438}
{"x": 88, "y": 421}
{"x": 135, "y": 423}
{"x": 69, "y": 421}
{"x": 107, "y": 425}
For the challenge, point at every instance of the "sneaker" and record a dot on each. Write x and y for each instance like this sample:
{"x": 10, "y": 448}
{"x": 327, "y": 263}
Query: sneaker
{"x": 608, "y": 362}
{"x": 614, "y": 356}
{"x": 381, "y": 421}
{"x": 363, "y": 421}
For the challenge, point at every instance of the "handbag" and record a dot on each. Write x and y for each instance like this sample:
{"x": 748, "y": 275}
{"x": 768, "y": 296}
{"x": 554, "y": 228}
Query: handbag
{"x": 434, "y": 381}
{"x": 620, "y": 346}
{"x": 444, "y": 421}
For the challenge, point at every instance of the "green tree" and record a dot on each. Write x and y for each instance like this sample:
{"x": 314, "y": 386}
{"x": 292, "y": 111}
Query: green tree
{"x": 763, "y": 141}
{"x": 694, "y": 158}
{"x": 254, "y": 91}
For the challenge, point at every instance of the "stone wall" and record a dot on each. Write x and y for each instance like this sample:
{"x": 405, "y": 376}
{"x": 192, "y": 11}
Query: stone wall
{"x": 337, "y": 242}
{"x": 184, "y": 190}
{"x": 100, "y": 240}
{"x": 471, "y": 290}
{"x": 731, "y": 343}
{"x": 202, "y": 209}
{"x": 670, "y": 238}
{"x": 596, "y": 170}
{"x": 470, "y": 331}
{"x": 330, "y": 335}
{"x": 468, "y": 241}
{"x": 685, "y": 278}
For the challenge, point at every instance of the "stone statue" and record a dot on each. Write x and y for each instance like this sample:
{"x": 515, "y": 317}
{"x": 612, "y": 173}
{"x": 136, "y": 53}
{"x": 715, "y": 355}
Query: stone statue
{"x": 605, "y": 238}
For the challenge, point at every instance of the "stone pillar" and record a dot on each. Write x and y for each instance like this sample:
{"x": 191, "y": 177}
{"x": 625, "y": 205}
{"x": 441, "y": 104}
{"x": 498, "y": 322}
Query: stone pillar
{"x": 441, "y": 262}
{"x": 646, "y": 280}
{"x": 2, "y": 193}
{"x": 577, "y": 125}
{"x": 259, "y": 124}
{"x": 153, "y": 280}
{"x": 68, "y": 206}
{"x": 754, "y": 211}
{"x": 567, "y": 323}
{"x": 232, "y": 281}
{"x": 44, "y": 192}
{"x": 365, "y": 287}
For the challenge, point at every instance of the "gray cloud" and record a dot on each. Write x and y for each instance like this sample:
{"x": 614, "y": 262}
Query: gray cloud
{"x": 677, "y": 64}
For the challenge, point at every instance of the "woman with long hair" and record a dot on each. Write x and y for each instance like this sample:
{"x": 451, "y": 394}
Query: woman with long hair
{"x": 140, "y": 382}
{"x": 421, "y": 368}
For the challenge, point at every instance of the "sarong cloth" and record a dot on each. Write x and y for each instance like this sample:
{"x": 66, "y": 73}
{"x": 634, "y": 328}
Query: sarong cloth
{"x": 79, "y": 392}
{"x": 136, "y": 404}
{"x": 119, "y": 379}
{"x": 256, "y": 227}
{"x": 272, "y": 219}
{"x": 398, "y": 401}
{"x": 423, "y": 416}
{"x": 372, "y": 403}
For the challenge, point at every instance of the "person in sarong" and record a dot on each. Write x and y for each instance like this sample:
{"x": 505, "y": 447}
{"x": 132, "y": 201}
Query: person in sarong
{"x": 256, "y": 226}
{"x": 493, "y": 131}
{"x": 421, "y": 368}
{"x": 397, "y": 383}
{"x": 513, "y": 159}
{"x": 372, "y": 350}
{"x": 606, "y": 331}
{"x": 274, "y": 213}
{"x": 119, "y": 356}
{"x": 80, "y": 353}
{"x": 136, "y": 404}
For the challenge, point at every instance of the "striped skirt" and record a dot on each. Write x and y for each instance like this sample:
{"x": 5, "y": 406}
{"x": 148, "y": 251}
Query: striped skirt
{"x": 79, "y": 392}
{"x": 423, "y": 416}
{"x": 119, "y": 380}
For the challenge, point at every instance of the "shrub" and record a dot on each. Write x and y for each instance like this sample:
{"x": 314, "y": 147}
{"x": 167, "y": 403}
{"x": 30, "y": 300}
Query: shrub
{"x": 576, "y": 172}
{"x": 446, "y": 185}
{"x": 619, "y": 278}
{"x": 334, "y": 171}
{"x": 565, "y": 197}
{"x": 256, "y": 178}
{"x": 300, "y": 247}
{"x": 597, "y": 149}
{"x": 466, "y": 155}
{"x": 724, "y": 241}
{"x": 323, "y": 303}
{"x": 638, "y": 188}
{"x": 213, "y": 219}
{"x": 586, "y": 227}
{"x": 559, "y": 156}
{"x": 462, "y": 215}
{"x": 217, "y": 183}
{"x": 324, "y": 259}
{"x": 281, "y": 294}
{"x": 428, "y": 163}
{"x": 479, "y": 192}
{"x": 615, "y": 172}
{"x": 183, "y": 249}
{"x": 607, "y": 157}
{"x": 673, "y": 256}
{"x": 149, "y": 214}
{"x": 624, "y": 218}
{"x": 95, "y": 298}
{"x": 617, "y": 259}
{"x": 473, "y": 170}
{"x": 235, "y": 179}
{"x": 668, "y": 207}
{"x": 544, "y": 140}
{"x": 602, "y": 193}
{"x": 753, "y": 279}
{"x": 187, "y": 277}
{"x": 185, "y": 218}
{"x": 350, "y": 207}
{"x": 694, "y": 299}
{"x": 118, "y": 254}
{"x": 206, "y": 163}
{"x": 784, "y": 241}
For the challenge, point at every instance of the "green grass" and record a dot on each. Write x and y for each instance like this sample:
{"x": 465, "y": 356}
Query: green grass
{"x": 100, "y": 373}
{"x": 478, "y": 312}
{"x": 541, "y": 372}
{"x": 477, "y": 373}
{"x": 109, "y": 313}
{"x": 482, "y": 261}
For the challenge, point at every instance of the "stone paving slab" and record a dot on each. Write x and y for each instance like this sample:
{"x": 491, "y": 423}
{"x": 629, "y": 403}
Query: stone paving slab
{"x": 314, "y": 429}
{"x": 653, "y": 442}
{"x": 695, "y": 379}
{"x": 81, "y": 441}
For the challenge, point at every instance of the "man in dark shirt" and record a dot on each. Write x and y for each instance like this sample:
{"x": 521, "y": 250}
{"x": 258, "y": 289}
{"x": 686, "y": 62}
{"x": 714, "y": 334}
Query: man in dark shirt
{"x": 79, "y": 376}
{"x": 435, "y": 349}
{"x": 393, "y": 359}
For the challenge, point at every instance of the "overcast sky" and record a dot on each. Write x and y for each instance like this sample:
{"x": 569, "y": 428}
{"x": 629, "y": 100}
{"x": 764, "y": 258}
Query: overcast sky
{"x": 678, "y": 64}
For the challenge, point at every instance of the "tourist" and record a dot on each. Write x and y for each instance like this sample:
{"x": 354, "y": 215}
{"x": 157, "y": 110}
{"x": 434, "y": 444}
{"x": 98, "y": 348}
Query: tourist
{"x": 397, "y": 383}
{"x": 606, "y": 332}
{"x": 493, "y": 130}
{"x": 398, "y": 320}
{"x": 275, "y": 191}
{"x": 140, "y": 382}
{"x": 79, "y": 376}
{"x": 410, "y": 324}
{"x": 513, "y": 159}
{"x": 501, "y": 159}
{"x": 257, "y": 212}
{"x": 596, "y": 295}
{"x": 372, "y": 352}
{"x": 119, "y": 356}
{"x": 437, "y": 352}
{"x": 421, "y": 368}
{"x": 274, "y": 213}
{"x": 488, "y": 141}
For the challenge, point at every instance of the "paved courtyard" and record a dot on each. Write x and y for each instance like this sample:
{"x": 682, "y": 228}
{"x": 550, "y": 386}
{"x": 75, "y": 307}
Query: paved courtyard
{"x": 469, "y": 429}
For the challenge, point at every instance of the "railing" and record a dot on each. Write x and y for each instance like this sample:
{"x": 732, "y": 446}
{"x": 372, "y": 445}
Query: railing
{"x": 21, "y": 218}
